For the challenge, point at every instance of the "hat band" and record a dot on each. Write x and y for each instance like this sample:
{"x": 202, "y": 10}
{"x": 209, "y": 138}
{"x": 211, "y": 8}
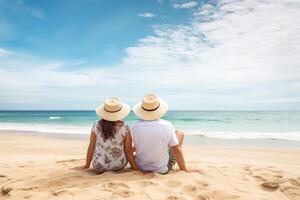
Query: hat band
{"x": 151, "y": 109}
{"x": 113, "y": 111}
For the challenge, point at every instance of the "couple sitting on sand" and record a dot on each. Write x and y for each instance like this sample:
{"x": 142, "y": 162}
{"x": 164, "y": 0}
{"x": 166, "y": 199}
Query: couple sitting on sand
{"x": 149, "y": 144}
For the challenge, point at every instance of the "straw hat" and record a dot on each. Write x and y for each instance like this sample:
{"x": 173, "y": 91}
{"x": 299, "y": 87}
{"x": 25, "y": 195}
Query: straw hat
{"x": 113, "y": 109}
{"x": 150, "y": 108}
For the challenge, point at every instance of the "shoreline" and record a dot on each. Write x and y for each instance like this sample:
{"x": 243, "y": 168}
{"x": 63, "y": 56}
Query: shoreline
{"x": 196, "y": 140}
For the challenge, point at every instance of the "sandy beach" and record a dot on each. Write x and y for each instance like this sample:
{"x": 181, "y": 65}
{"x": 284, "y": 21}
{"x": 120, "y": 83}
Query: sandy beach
{"x": 38, "y": 167}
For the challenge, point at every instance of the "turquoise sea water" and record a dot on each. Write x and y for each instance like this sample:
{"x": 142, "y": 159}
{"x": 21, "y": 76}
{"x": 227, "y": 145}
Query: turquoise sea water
{"x": 221, "y": 124}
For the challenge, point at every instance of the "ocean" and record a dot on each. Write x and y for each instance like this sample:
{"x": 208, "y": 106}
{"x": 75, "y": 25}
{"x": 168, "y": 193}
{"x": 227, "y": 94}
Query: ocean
{"x": 216, "y": 124}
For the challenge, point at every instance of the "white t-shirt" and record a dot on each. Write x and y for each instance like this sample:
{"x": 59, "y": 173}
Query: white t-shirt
{"x": 152, "y": 140}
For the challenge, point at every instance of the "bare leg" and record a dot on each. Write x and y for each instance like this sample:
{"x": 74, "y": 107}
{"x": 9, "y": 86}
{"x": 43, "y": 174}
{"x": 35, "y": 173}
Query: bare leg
{"x": 180, "y": 137}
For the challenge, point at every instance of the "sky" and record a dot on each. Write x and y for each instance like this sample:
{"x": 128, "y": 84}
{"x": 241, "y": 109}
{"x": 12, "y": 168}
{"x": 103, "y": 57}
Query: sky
{"x": 203, "y": 55}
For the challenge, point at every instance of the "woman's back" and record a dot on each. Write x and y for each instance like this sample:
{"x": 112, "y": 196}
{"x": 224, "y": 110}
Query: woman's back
{"x": 109, "y": 151}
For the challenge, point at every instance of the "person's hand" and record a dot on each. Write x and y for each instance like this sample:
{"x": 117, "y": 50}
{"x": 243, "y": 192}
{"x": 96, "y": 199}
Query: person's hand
{"x": 80, "y": 167}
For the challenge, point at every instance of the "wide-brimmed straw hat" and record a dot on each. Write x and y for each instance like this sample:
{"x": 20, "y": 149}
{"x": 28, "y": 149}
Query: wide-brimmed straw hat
{"x": 113, "y": 109}
{"x": 150, "y": 108}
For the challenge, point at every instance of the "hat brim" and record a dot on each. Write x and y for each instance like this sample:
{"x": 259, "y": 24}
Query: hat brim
{"x": 116, "y": 116}
{"x": 151, "y": 115}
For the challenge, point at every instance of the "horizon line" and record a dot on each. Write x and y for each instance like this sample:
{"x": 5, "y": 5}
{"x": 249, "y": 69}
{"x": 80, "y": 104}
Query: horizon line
{"x": 195, "y": 110}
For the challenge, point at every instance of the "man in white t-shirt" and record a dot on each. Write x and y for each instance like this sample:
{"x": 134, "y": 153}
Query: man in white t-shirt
{"x": 157, "y": 144}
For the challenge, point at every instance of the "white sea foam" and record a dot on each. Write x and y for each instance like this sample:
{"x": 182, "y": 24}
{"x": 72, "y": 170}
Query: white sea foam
{"x": 248, "y": 135}
{"x": 64, "y": 129}
{"x": 45, "y": 128}
{"x": 55, "y": 117}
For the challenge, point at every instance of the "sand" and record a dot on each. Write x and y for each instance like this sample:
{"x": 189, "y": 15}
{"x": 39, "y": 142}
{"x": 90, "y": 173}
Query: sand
{"x": 37, "y": 167}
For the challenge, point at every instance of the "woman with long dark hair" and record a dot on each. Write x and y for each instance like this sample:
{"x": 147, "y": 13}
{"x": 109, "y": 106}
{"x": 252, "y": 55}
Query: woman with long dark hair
{"x": 106, "y": 148}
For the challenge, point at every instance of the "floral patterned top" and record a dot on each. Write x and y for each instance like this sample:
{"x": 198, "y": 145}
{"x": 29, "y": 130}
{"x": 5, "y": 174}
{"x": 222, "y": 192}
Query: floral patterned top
{"x": 109, "y": 155}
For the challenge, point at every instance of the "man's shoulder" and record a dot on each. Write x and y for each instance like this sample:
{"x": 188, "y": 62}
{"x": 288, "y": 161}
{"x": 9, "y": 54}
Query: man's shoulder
{"x": 160, "y": 122}
{"x": 136, "y": 123}
{"x": 165, "y": 122}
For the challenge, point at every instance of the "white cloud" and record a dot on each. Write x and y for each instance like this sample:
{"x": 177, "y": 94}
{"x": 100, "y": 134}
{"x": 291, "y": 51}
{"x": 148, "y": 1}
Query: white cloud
{"x": 5, "y": 53}
{"x": 231, "y": 55}
{"x": 40, "y": 82}
{"x": 250, "y": 47}
{"x": 186, "y": 5}
{"x": 146, "y": 15}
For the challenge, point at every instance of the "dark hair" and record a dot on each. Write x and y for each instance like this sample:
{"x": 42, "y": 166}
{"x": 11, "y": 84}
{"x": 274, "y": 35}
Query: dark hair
{"x": 108, "y": 129}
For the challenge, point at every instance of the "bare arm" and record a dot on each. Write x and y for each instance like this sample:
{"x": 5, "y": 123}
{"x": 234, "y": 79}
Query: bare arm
{"x": 177, "y": 152}
{"x": 129, "y": 151}
{"x": 90, "y": 152}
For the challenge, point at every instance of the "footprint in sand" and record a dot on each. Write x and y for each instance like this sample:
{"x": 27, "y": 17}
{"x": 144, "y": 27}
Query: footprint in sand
{"x": 147, "y": 183}
{"x": 174, "y": 198}
{"x": 217, "y": 195}
{"x": 291, "y": 188}
{"x": 291, "y": 192}
{"x": 57, "y": 183}
{"x": 27, "y": 196}
{"x": 29, "y": 188}
{"x": 118, "y": 189}
{"x": 60, "y": 192}
{"x": 294, "y": 182}
{"x": 189, "y": 189}
{"x": 115, "y": 185}
{"x": 193, "y": 189}
{"x": 202, "y": 184}
{"x": 173, "y": 183}
{"x": 273, "y": 180}
{"x": 270, "y": 185}
{"x": 123, "y": 193}
{"x": 268, "y": 179}
{"x": 6, "y": 189}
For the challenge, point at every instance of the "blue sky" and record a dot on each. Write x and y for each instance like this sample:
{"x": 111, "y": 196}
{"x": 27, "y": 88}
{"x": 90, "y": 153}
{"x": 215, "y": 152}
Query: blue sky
{"x": 206, "y": 55}
{"x": 95, "y": 31}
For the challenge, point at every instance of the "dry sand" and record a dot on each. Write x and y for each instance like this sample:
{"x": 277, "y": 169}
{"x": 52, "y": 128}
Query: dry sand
{"x": 36, "y": 167}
